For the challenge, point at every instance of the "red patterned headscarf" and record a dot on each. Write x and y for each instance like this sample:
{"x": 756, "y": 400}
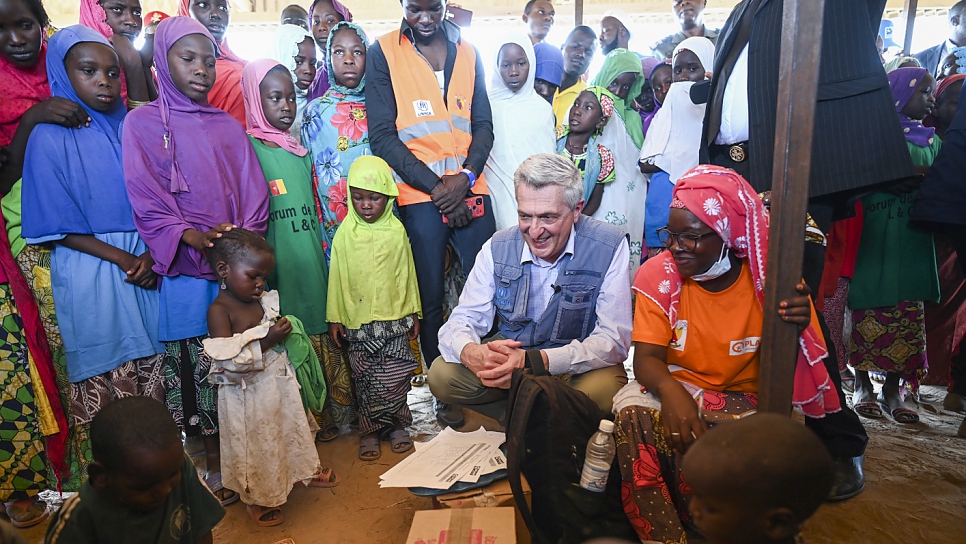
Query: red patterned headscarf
{"x": 724, "y": 201}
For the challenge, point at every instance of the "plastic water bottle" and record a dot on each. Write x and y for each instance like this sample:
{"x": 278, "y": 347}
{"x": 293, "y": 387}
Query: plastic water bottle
{"x": 600, "y": 455}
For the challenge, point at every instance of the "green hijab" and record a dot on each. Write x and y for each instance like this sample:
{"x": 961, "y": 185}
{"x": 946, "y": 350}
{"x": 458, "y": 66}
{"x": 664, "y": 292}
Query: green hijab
{"x": 617, "y": 62}
{"x": 371, "y": 275}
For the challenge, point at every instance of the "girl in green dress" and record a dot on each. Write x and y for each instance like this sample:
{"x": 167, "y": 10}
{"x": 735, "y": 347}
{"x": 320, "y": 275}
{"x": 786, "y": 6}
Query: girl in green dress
{"x": 301, "y": 273}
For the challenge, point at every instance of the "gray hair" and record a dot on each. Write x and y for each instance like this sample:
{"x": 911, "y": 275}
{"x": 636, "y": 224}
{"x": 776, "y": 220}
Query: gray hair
{"x": 545, "y": 169}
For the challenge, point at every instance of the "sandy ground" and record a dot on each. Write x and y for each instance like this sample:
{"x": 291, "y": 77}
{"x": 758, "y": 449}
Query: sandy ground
{"x": 915, "y": 474}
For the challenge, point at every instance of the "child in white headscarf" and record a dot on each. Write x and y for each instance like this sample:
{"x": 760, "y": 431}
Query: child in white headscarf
{"x": 523, "y": 124}
{"x": 295, "y": 49}
{"x": 673, "y": 140}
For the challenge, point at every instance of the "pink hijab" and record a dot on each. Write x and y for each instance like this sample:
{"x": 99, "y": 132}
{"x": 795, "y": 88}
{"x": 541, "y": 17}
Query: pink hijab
{"x": 258, "y": 126}
{"x": 724, "y": 201}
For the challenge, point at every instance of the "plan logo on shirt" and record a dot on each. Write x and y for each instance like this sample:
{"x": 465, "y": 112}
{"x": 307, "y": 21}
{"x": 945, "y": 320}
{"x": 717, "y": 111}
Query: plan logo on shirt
{"x": 422, "y": 108}
{"x": 679, "y": 335}
{"x": 747, "y": 345}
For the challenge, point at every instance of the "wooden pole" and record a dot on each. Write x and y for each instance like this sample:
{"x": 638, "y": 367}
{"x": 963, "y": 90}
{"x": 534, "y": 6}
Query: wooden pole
{"x": 797, "y": 90}
{"x": 910, "y": 14}
{"x": 578, "y": 12}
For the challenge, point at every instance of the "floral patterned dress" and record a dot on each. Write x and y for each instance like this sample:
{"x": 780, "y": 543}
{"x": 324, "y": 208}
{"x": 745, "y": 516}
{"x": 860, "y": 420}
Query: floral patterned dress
{"x": 335, "y": 130}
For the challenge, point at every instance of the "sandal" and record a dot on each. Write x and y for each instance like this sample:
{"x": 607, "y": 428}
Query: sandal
{"x": 401, "y": 441}
{"x": 258, "y": 513}
{"x": 869, "y": 409}
{"x": 901, "y": 414}
{"x": 848, "y": 381}
{"x": 213, "y": 481}
{"x": 369, "y": 449}
{"x": 38, "y": 507}
{"x": 327, "y": 435}
{"x": 325, "y": 477}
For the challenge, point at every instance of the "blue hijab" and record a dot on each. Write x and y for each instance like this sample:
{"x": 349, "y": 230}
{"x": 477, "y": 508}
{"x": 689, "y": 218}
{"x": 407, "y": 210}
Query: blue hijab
{"x": 73, "y": 178}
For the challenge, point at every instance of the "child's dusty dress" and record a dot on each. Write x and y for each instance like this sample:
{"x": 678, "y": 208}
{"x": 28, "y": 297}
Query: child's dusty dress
{"x": 267, "y": 444}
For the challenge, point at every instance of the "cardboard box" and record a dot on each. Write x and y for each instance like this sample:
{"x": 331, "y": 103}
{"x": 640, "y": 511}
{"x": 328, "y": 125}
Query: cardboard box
{"x": 463, "y": 526}
{"x": 497, "y": 494}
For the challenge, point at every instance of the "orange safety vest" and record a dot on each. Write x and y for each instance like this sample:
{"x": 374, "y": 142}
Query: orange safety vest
{"x": 439, "y": 135}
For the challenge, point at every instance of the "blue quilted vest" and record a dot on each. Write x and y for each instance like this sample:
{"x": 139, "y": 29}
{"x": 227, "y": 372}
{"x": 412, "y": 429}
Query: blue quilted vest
{"x": 572, "y": 309}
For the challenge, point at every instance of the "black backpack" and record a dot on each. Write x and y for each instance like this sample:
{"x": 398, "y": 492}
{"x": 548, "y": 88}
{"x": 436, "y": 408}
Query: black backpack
{"x": 548, "y": 426}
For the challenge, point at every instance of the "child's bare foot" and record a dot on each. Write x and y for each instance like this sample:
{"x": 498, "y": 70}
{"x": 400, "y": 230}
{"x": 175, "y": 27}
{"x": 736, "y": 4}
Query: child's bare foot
{"x": 954, "y": 402}
{"x": 324, "y": 477}
{"x": 265, "y": 516}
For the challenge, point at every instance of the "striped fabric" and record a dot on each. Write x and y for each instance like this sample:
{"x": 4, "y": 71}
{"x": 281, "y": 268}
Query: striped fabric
{"x": 858, "y": 141}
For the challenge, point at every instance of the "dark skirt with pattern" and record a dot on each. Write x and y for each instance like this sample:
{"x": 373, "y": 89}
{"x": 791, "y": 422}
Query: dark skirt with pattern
{"x": 382, "y": 364}
{"x": 654, "y": 493}
{"x": 186, "y": 368}
{"x": 891, "y": 339}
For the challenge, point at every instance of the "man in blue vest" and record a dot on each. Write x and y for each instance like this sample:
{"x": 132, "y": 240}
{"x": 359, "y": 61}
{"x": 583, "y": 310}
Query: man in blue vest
{"x": 557, "y": 283}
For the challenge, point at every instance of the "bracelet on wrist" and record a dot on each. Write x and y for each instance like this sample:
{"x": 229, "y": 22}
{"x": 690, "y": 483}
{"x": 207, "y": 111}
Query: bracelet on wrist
{"x": 469, "y": 173}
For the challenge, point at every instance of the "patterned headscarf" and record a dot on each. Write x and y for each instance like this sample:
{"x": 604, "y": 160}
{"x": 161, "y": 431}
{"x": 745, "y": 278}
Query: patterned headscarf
{"x": 361, "y": 87}
{"x": 903, "y": 82}
{"x": 724, "y": 201}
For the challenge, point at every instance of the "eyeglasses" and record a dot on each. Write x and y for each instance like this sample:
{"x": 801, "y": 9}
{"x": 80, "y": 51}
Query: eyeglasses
{"x": 685, "y": 241}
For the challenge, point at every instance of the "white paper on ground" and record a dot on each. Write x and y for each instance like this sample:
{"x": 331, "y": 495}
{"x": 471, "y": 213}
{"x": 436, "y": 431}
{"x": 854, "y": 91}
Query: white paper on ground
{"x": 449, "y": 457}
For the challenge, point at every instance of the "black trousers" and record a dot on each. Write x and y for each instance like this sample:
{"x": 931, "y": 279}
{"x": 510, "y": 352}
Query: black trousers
{"x": 841, "y": 432}
{"x": 428, "y": 236}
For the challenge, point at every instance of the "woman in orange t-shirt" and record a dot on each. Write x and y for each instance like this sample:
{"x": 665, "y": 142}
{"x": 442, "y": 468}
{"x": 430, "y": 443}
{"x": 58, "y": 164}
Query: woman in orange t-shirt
{"x": 697, "y": 332}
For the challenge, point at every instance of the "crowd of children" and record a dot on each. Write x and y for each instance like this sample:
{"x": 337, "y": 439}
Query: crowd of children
{"x": 216, "y": 235}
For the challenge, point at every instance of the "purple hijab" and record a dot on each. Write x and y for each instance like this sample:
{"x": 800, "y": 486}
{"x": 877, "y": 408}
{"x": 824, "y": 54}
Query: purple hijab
{"x": 903, "y": 82}
{"x": 321, "y": 82}
{"x": 187, "y": 166}
{"x": 648, "y": 64}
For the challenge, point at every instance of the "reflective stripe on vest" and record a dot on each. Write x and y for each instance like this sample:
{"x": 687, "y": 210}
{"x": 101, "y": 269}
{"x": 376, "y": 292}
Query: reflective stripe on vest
{"x": 438, "y": 133}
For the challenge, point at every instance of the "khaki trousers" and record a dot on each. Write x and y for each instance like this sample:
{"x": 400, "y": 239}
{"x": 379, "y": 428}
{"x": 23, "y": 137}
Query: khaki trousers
{"x": 453, "y": 383}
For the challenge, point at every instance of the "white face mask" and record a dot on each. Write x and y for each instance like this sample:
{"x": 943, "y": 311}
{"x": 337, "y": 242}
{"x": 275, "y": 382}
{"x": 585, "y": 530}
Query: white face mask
{"x": 718, "y": 269}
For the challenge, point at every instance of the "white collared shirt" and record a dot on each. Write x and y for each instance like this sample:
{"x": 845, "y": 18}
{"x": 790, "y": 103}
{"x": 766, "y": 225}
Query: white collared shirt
{"x": 734, "y": 108}
{"x": 607, "y": 344}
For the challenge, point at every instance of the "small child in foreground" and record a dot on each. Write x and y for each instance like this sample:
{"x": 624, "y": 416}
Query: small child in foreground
{"x": 756, "y": 480}
{"x": 267, "y": 444}
{"x": 141, "y": 487}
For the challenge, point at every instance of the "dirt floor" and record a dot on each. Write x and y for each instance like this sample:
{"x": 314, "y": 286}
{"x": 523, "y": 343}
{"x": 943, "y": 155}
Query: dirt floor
{"x": 915, "y": 474}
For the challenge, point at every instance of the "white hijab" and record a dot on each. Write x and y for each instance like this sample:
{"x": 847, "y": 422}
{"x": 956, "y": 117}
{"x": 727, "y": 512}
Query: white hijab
{"x": 674, "y": 138}
{"x": 622, "y": 203}
{"x": 287, "y": 40}
{"x": 523, "y": 125}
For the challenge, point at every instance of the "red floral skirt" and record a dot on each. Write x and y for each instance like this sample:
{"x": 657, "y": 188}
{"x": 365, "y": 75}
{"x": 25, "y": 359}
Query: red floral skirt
{"x": 655, "y": 495}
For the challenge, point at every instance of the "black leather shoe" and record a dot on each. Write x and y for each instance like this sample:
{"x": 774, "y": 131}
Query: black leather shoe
{"x": 849, "y": 480}
{"x": 449, "y": 415}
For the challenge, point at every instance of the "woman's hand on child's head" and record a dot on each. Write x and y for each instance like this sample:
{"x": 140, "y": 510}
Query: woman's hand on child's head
{"x": 59, "y": 111}
{"x": 797, "y": 310}
{"x": 337, "y": 333}
{"x": 215, "y": 233}
{"x": 141, "y": 273}
{"x": 414, "y": 331}
{"x": 279, "y": 331}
